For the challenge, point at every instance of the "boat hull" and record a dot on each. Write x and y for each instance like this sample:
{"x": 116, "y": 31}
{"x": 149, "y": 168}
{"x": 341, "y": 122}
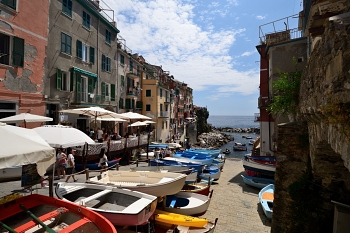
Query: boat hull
{"x": 266, "y": 200}
{"x": 94, "y": 166}
{"x": 187, "y": 204}
{"x": 257, "y": 182}
{"x": 152, "y": 183}
{"x": 56, "y": 214}
{"x": 258, "y": 167}
{"x": 199, "y": 188}
{"x": 121, "y": 207}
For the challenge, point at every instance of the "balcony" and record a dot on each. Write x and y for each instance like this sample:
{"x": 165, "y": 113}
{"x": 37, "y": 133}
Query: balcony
{"x": 163, "y": 114}
{"x": 90, "y": 98}
{"x": 134, "y": 73}
{"x": 263, "y": 102}
{"x": 133, "y": 91}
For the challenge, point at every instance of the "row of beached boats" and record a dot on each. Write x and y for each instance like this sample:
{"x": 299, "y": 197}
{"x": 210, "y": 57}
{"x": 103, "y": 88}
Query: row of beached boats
{"x": 260, "y": 172}
{"x": 115, "y": 198}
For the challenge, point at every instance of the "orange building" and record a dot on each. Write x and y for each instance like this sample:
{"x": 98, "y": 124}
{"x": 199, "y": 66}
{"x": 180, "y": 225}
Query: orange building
{"x": 23, "y": 41}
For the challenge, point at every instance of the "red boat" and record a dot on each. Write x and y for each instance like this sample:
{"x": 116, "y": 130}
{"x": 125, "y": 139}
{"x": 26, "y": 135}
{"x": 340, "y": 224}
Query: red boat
{"x": 38, "y": 213}
{"x": 270, "y": 160}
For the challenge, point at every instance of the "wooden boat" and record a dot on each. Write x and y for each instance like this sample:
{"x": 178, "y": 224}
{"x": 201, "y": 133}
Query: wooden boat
{"x": 257, "y": 182}
{"x": 152, "y": 183}
{"x": 178, "y": 219}
{"x": 202, "y": 188}
{"x": 239, "y": 146}
{"x": 194, "y": 159}
{"x": 192, "y": 178}
{"x": 119, "y": 206}
{"x": 211, "y": 171}
{"x": 94, "y": 166}
{"x": 187, "y": 203}
{"x": 258, "y": 167}
{"x": 172, "y": 228}
{"x": 226, "y": 152}
{"x": 175, "y": 169}
{"x": 266, "y": 196}
{"x": 261, "y": 159}
{"x": 38, "y": 213}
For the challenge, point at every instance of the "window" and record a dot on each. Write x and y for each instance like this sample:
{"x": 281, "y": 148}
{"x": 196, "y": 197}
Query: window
{"x": 106, "y": 63}
{"x": 66, "y": 43}
{"x": 108, "y": 36}
{"x": 17, "y": 53}
{"x": 148, "y": 107}
{"x": 8, "y": 109}
{"x": 86, "y": 20}
{"x": 67, "y": 7}
{"x": 62, "y": 80}
{"x": 84, "y": 89}
{"x": 122, "y": 59}
{"x": 92, "y": 55}
{"x": 138, "y": 70}
{"x": 112, "y": 92}
{"x": 163, "y": 125}
{"x": 160, "y": 92}
{"x": 122, "y": 80}
{"x": 9, "y": 3}
{"x": 121, "y": 103}
{"x": 82, "y": 51}
{"x": 131, "y": 65}
{"x": 148, "y": 93}
{"x": 105, "y": 91}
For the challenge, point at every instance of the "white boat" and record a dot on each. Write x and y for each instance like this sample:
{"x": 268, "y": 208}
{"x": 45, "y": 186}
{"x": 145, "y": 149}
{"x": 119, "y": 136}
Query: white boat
{"x": 10, "y": 173}
{"x": 266, "y": 196}
{"x": 205, "y": 161}
{"x": 119, "y": 206}
{"x": 187, "y": 203}
{"x": 175, "y": 169}
{"x": 153, "y": 183}
{"x": 259, "y": 167}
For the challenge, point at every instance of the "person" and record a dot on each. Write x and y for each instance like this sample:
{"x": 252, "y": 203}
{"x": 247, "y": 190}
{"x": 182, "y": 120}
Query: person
{"x": 61, "y": 160}
{"x": 103, "y": 163}
{"x": 70, "y": 165}
{"x": 99, "y": 135}
{"x": 156, "y": 153}
{"x": 167, "y": 152}
{"x": 87, "y": 131}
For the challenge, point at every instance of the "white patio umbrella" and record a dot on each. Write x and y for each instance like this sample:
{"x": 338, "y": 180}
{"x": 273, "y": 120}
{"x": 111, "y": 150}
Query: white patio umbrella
{"x": 110, "y": 119}
{"x": 63, "y": 136}
{"x": 94, "y": 112}
{"x": 138, "y": 123}
{"x": 148, "y": 122}
{"x": 25, "y": 117}
{"x": 21, "y": 146}
{"x": 133, "y": 116}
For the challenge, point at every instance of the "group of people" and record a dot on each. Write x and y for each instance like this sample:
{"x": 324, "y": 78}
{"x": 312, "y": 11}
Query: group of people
{"x": 162, "y": 153}
{"x": 65, "y": 164}
{"x": 102, "y": 135}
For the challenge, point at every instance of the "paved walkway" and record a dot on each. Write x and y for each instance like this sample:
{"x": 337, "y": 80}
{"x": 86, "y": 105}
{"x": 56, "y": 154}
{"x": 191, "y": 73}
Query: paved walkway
{"x": 233, "y": 203}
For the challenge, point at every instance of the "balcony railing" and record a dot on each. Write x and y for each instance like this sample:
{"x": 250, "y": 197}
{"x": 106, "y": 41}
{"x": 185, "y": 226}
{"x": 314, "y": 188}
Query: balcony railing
{"x": 134, "y": 91}
{"x": 263, "y": 102}
{"x": 164, "y": 114}
{"x": 85, "y": 97}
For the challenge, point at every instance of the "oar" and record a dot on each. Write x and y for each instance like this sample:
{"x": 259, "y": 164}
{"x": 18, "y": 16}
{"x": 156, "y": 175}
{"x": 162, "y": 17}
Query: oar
{"x": 8, "y": 228}
{"x": 36, "y": 219}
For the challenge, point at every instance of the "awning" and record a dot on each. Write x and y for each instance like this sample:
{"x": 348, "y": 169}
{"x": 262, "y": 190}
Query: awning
{"x": 75, "y": 69}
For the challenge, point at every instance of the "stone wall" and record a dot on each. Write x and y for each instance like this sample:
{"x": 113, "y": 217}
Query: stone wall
{"x": 314, "y": 154}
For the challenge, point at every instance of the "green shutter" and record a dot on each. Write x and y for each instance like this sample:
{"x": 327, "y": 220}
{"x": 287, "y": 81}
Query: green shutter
{"x": 103, "y": 62}
{"x": 72, "y": 80}
{"x": 90, "y": 85}
{"x": 78, "y": 87}
{"x": 122, "y": 80}
{"x": 121, "y": 106}
{"x": 92, "y": 55}
{"x": 127, "y": 104}
{"x": 79, "y": 49}
{"x": 112, "y": 92}
{"x": 103, "y": 90}
{"x": 58, "y": 79}
{"x": 132, "y": 104}
{"x": 18, "y": 52}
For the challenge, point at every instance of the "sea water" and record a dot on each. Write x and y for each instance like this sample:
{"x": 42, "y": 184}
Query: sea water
{"x": 235, "y": 122}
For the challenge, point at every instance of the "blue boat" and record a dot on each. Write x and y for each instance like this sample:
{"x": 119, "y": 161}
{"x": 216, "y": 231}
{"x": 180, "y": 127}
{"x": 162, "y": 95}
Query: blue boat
{"x": 191, "y": 155}
{"x": 94, "y": 166}
{"x": 266, "y": 196}
{"x": 211, "y": 171}
{"x": 153, "y": 146}
{"x": 161, "y": 162}
{"x": 193, "y": 159}
{"x": 257, "y": 182}
{"x": 212, "y": 152}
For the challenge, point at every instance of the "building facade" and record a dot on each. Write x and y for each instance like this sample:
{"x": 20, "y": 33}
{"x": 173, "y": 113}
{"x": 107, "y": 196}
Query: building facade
{"x": 23, "y": 66}
{"x": 81, "y": 58}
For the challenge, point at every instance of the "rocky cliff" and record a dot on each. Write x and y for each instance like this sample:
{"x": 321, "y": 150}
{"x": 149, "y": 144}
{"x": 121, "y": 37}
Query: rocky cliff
{"x": 314, "y": 152}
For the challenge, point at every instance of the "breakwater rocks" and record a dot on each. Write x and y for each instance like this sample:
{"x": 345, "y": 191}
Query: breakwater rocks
{"x": 238, "y": 130}
{"x": 214, "y": 139}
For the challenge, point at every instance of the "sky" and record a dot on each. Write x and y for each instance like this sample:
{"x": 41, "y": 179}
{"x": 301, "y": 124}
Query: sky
{"x": 209, "y": 45}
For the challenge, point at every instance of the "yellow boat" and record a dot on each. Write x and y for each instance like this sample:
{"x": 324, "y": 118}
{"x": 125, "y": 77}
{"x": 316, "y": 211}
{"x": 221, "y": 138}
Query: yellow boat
{"x": 179, "y": 219}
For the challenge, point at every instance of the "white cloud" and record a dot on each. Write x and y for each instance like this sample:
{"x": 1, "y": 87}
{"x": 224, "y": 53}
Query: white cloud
{"x": 164, "y": 33}
{"x": 248, "y": 53}
{"x": 260, "y": 17}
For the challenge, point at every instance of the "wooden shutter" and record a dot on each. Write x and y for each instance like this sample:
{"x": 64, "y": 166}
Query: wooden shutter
{"x": 103, "y": 62}
{"x": 58, "y": 79}
{"x": 79, "y": 49}
{"x": 103, "y": 90}
{"x": 112, "y": 92}
{"x": 78, "y": 86}
{"x": 18, "y": 52}
{"x": 92, "y": 55}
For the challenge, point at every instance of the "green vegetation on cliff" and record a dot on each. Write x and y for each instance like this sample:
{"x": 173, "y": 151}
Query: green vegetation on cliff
{"x": 202, "y": 125}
